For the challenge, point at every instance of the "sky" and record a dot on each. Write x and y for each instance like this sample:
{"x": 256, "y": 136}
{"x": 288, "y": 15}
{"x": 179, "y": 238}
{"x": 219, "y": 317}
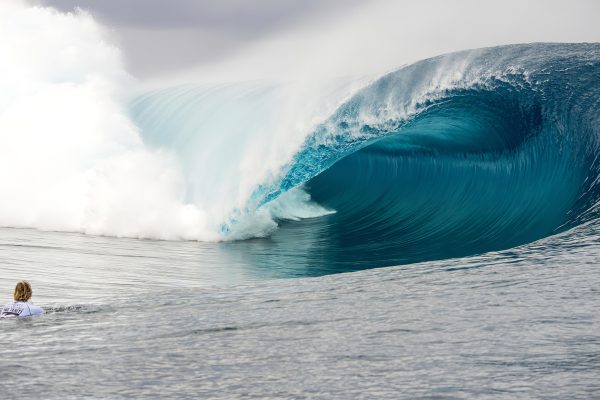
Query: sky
{"x": 161, "y": 35}
{"x": 271, "y": 38}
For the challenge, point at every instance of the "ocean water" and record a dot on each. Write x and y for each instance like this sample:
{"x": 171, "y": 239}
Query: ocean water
{"x": 147, "y": 319}
{"x": 427, "y": 233}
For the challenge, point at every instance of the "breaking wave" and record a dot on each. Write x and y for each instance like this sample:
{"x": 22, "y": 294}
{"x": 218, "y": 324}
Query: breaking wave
{"x": 455, "y": 155}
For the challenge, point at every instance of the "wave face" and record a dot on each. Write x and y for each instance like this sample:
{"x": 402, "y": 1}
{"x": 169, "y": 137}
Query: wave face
{"x": 456, "y": 155}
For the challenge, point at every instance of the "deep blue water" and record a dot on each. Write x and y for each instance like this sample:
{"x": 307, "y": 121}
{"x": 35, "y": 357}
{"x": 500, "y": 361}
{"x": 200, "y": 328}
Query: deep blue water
{"x": 503, "y": 154}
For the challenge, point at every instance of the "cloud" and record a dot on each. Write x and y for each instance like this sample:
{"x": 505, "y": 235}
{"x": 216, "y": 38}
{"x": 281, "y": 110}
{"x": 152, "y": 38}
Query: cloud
{"x": 338, "y": 36}
{"x": 238, "y": 16}
{"x": 159, "y": 36}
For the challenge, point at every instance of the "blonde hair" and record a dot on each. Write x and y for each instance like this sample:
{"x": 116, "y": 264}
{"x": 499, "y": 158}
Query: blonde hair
{"x": 22, "y": 291}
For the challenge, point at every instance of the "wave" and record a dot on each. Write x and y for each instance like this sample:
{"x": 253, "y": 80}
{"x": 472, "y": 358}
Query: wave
{"x": 455, "y": 155}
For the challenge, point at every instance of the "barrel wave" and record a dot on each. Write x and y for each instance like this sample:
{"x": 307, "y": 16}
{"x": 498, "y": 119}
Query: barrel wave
{"x": 460, "y": 154}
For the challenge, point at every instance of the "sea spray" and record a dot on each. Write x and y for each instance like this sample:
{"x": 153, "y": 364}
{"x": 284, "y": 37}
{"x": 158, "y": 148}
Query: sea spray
{"x": 72, "y": 159}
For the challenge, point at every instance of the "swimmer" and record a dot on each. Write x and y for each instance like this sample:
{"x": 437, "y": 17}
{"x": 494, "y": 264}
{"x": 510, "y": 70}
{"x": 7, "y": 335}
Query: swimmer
{"x": 21, "y": 307}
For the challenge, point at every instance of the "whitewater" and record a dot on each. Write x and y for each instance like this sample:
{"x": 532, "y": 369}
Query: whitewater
{"x": 472, "y": 177}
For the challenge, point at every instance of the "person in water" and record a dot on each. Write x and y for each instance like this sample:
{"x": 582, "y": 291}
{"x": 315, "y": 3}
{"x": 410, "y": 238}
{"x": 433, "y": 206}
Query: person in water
{"x": 21, "y": 307}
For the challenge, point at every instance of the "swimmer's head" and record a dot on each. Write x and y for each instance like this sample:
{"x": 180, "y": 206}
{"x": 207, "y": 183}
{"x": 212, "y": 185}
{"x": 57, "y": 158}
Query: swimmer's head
{"x": 23, "y": 291}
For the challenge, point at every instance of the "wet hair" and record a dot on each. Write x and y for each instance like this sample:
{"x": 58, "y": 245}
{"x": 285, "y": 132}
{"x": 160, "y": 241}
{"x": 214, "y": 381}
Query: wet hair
{"x": 22, "y": 291}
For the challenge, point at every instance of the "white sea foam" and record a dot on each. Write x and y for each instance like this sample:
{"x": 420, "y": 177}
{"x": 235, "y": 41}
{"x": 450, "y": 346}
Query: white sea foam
{"x": 72, "y": 160}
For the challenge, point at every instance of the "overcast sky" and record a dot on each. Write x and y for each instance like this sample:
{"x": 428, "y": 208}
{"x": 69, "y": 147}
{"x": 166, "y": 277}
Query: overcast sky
{"x": 348, "y": 36}
{"x": 159, "y": 35}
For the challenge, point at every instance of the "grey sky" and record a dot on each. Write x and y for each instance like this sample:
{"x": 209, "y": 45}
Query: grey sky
{"x": 160, "y": 35}
{"x": 265, "y": 37}
{"x": 232, "y": 15}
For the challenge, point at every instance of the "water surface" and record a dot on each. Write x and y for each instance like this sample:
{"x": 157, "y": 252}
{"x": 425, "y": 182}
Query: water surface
{"x": 146, "y": 319}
